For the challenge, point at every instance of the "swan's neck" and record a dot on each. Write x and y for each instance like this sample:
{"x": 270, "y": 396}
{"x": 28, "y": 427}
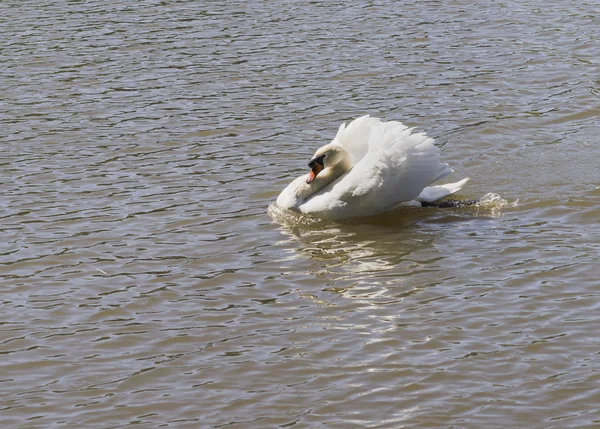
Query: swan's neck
{"x": 299, "y": 191}
{"x": 329, "y": 175}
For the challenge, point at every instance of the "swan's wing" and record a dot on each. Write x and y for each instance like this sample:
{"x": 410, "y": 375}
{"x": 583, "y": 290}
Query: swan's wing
{"x": 366, "y": 134}
{"x": 443, "y": 171}
{"x": 395, "y": 172}
{"x": 397, "y": 166}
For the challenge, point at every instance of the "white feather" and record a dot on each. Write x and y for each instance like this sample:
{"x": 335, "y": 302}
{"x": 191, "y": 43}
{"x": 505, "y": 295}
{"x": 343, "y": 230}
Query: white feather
{"x": 434, "y": 193}
{"x": 389, "y": 165}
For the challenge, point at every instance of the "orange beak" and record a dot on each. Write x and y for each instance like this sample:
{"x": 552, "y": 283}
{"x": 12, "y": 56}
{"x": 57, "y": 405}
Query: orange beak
{"x": 314, "y": 171}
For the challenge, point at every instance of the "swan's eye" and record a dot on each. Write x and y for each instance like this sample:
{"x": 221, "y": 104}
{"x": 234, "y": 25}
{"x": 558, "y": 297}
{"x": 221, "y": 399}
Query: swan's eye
{"x": 317, "y": 160}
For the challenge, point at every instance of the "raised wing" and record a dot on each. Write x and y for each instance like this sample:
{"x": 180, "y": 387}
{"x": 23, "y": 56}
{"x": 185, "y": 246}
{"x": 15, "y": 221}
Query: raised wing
{"x": 394, "y": 165}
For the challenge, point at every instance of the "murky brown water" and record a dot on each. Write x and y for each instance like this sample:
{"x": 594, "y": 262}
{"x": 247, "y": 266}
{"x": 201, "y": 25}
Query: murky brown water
{"x": 144, "y": 283}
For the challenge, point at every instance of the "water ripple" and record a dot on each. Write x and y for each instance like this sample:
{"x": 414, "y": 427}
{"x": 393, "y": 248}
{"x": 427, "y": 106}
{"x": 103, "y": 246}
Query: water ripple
{"x": 143, "y": 276}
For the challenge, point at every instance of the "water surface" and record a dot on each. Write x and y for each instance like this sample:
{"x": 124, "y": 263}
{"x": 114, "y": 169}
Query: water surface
{"x": 144, "y": 283}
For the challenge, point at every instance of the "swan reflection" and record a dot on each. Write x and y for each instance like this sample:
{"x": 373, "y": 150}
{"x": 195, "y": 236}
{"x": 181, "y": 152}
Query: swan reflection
{"x": 362, "y": 260}
{"x": 389, "y": 256}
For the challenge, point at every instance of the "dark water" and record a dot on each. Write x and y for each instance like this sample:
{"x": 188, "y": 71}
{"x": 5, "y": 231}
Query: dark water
{"x": 144, "y": 283}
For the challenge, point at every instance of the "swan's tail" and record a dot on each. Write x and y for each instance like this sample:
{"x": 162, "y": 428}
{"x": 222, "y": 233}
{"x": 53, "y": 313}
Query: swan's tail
{"x": 431, "y": 194}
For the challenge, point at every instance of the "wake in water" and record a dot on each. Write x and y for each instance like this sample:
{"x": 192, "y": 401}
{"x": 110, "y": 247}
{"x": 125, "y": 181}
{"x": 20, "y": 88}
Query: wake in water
{"x": 490, "y": 205}
{"x": 489, "y": 200}
{"x": 445, "y": 204}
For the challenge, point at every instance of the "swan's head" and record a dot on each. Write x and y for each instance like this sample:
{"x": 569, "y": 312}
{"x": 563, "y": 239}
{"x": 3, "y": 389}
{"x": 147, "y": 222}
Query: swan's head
{"x": 327, "y": 156}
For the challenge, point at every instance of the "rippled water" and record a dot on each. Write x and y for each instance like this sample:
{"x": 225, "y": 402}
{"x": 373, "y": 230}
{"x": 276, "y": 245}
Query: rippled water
{"x": 144, "y": 283}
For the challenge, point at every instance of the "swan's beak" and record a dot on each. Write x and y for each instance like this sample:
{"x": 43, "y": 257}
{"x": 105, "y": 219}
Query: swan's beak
{"x": 316, "y": 165}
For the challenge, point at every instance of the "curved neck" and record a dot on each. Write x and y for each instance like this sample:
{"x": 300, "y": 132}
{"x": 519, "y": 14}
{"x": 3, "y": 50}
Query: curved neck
{"x": 298, "y": 192}
{"x": 329, "y": 175}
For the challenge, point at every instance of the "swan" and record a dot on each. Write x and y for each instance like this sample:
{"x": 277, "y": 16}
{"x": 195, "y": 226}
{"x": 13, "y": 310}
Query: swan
{"x": 370, "y": 167}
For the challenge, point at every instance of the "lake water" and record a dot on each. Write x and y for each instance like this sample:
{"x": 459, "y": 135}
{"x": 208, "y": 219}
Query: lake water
{"x": 145, "y": 283}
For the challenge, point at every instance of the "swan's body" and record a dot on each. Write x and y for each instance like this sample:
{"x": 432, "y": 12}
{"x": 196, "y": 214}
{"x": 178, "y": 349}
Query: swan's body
{"x": 369, "y": 168}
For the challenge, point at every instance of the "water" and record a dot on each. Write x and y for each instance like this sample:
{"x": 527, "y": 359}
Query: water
{"x": 144, "y": 283}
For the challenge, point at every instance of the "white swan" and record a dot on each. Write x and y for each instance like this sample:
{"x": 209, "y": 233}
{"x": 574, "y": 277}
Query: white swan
{"x": 370, "y": 167}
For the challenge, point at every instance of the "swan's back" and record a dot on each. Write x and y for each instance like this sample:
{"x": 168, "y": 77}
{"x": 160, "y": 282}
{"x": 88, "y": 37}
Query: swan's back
{"x": 391, "y": 164}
